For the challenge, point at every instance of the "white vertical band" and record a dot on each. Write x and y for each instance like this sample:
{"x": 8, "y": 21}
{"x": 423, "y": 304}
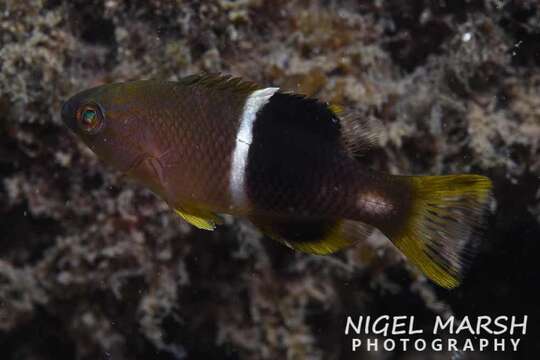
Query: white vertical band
{"x": 254, "y": 102}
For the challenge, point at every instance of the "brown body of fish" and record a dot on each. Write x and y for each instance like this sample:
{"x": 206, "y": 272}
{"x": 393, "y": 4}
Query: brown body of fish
{"x": 212, "y": 144}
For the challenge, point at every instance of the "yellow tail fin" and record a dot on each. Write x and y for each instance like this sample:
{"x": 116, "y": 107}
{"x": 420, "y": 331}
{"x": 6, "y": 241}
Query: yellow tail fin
{"x": 442, "y": 231}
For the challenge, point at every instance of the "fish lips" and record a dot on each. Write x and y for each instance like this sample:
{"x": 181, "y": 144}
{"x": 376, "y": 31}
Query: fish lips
{"x": 68, "y": 114}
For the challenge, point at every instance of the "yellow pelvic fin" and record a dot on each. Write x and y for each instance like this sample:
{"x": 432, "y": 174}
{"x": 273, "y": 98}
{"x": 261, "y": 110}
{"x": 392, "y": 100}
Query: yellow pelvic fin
{"x": 318, "y": 236}
{"x": 442, "y": 231}
{"x": 200, "y": 219}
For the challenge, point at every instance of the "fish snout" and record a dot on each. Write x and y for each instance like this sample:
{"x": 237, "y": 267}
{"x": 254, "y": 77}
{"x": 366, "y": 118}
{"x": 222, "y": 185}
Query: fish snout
{"x": 67, "y": 112}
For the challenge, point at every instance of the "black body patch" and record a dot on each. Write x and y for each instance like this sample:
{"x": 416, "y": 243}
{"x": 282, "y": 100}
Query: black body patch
{"x": 296, "y": 142}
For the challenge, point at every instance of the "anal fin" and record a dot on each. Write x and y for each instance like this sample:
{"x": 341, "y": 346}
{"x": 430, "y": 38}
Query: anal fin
{"x": 204, "y": 220}
{"x": 314, "y": 236}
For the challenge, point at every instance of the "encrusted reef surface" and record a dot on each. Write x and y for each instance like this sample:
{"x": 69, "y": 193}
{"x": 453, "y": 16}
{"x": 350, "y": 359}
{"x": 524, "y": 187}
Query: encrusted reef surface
{"x": 95, "y": 267}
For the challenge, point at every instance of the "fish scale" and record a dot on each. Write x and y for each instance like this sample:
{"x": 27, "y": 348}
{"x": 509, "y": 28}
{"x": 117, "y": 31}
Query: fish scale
{"x": 212, "y": 144}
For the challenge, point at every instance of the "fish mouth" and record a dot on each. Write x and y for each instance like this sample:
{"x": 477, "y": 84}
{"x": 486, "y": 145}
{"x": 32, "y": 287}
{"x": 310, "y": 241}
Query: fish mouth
{"x": 68, "y": 113}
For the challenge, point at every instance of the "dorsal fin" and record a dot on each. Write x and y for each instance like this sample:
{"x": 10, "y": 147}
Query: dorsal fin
{"x": 305, "y": 117}
{"x": 355, "y": 133}
{"x": 335, "y": 108}
{"x": 359, "y": 134}
{"x": 220, "y": 82}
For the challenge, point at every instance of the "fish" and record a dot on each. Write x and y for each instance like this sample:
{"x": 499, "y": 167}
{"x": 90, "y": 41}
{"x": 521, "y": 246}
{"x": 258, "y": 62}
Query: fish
{"x": 213, "y": 144}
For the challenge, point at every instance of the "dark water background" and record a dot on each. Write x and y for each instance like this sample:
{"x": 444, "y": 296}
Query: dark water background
{"x": 93, "y": 266}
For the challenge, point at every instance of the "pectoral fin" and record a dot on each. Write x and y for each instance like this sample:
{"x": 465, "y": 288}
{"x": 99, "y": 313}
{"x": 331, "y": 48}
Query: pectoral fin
{"x": 314, "y": 236}
{"x": 200, "y": 219}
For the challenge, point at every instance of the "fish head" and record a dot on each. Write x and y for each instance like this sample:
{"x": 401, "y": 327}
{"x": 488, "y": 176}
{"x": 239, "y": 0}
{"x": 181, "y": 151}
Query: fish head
{"x": 109, "y": 119}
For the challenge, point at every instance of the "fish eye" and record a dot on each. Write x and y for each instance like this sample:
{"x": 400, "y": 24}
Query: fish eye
{"x": 90, "y": 118}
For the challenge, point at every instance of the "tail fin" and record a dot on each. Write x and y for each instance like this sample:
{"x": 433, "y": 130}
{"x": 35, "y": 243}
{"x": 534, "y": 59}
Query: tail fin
{"x": 442, "y": 231}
